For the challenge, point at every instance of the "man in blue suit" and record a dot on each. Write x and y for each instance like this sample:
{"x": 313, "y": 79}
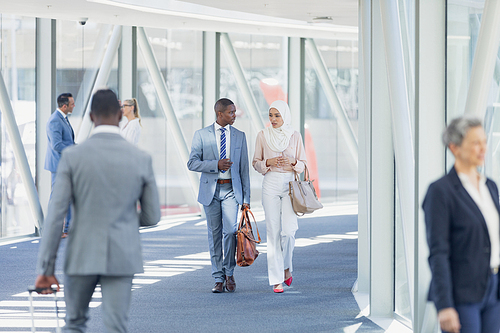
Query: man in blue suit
{"x": 60, "y": 135}
{"x": 220, "y": 153}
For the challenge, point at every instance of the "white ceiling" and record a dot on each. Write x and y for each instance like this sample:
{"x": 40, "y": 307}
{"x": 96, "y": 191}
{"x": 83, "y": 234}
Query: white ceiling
{"x": 271, "y": 17}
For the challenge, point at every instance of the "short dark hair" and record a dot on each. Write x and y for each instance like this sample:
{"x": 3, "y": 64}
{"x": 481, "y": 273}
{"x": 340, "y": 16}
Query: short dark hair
{"x": 222, "y": 104}
{"x": 63, "y": 99}
{"x": 105, "y": 103}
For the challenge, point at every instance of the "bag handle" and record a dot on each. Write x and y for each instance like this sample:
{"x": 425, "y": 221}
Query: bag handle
{"x": 306, "y": 174}
{"x": 246, "y": 218}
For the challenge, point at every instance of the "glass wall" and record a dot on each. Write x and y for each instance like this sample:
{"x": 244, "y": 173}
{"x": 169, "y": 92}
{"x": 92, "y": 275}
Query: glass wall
{"x": 264, "y": 62}
{"x": 79, "y": 53}
{"x": 17, "y": 64}
{"x": 179, "y": 54}
{"x": 80, "y": 50}
{"x": 329, "y": 160}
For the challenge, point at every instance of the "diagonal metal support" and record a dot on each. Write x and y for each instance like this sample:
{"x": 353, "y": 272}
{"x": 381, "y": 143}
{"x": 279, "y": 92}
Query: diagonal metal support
{"x": 90, "y": 75}
{"x": 168, "y": 109}
{"x": 245, "y": 90}
{"x": 485, "y": 58}
{"x": 20, "y": 154}
{"x": 331, "y": 94}
{"x": 101, "y": 80}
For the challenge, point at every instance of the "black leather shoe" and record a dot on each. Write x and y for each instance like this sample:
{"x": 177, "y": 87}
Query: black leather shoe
{"x": 218, "y": 288}
{"x": 230, "y": 284}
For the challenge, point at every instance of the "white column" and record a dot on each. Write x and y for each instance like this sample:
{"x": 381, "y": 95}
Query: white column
{"x": 484, "y": 60}
{"x": 382, "y": 179}
{"x": 296, "y": 82}
{"x": 101, "y": 81}
{"x": 45, "y": 101}
{"x": 430, "y": 97}
{"x": 364, "y": 141}
{"x": 211, "y": 75}
{"x": 401, "y": 129}
{"x": 127, "y": 56}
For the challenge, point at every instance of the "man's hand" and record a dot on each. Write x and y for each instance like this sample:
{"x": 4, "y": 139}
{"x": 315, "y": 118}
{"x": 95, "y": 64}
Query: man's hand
{"x": 224, "y": 164}
{"x": 245, "y": 205}
{"x": 45, "y": 283}
{"x": 449, "y": 321}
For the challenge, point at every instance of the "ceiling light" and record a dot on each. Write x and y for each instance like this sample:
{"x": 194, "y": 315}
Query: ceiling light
{"x": 322, "y": 19}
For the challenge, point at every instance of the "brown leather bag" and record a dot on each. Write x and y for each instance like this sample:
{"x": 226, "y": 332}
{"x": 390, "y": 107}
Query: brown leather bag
{"x": 246, "y": 245}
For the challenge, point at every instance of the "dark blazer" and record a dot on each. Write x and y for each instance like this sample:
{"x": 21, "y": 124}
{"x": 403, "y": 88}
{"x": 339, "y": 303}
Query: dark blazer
{"x": 61, "y": 136}
{"x": 459, "y": 242}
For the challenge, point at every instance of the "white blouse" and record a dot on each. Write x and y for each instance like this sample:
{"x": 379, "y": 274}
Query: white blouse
{"x": 131, "y": 130}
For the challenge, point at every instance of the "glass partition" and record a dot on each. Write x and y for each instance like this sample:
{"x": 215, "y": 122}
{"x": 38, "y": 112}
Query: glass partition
{"x": 329, "y": 160}
{"x": 17, "y": 64}
{"x": 179, "y": 54}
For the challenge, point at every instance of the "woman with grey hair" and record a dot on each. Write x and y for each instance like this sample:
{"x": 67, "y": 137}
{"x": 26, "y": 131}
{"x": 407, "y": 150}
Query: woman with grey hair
{"x": 462, "y": 219}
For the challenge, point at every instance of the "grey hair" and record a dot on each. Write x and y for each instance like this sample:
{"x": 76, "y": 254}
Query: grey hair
{"x": 457, "y": 129}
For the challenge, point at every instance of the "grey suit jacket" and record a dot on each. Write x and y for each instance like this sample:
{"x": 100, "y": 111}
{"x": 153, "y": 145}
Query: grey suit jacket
{"x": 105, "y": 177}
{"x": 204, "y": 158}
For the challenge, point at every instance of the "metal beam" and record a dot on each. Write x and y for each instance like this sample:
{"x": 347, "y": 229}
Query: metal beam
{"x": 211, "y": 75}
{"x": 485, "y": 57}
{"x": 20, "y": 154}
{"x": 335, "y": 103}
{"x": 401, "y": 131}
{"x": 92, "y": 69}
{"x": 101, "y": 80}
{"x": 168, "y": 109}
{"x": 242, "y": 82}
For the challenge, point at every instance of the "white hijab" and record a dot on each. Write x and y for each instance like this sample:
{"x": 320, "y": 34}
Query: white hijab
{"x": 278, "y": 138}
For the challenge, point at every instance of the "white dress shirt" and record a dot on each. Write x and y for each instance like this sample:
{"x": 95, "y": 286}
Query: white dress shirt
{"x": 106, "y": 129}
{"x": 484, "y": 201}
{"x": 217, "y": 127}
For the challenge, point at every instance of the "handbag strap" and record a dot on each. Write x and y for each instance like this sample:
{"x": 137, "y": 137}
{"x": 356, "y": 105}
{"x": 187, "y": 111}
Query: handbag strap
{"x": 306, "y": 174}
{"x": 244, "y": 216}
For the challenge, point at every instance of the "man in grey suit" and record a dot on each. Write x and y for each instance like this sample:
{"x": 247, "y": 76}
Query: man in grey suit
{"x": 105, "y": 176}
{"x": 219, "y": 152}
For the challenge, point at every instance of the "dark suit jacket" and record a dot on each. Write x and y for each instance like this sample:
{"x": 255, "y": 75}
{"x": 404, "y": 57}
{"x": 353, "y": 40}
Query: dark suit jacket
{"x": 60, "y": 136}
{"x": 459, "y": 242}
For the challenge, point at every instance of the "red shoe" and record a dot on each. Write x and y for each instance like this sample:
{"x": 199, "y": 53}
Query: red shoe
{"x": 288, "y": 281}
{"x": 278, "y": 288}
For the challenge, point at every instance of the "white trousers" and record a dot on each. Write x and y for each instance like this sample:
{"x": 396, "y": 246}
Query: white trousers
{"x": 281, "y": 224}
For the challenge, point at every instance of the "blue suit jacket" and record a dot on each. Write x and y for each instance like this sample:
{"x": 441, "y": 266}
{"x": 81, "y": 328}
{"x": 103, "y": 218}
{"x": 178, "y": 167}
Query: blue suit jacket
{"x": 60, "y": 136}
{"x": 459, "y": 242}
{"x": 204, "y": 158}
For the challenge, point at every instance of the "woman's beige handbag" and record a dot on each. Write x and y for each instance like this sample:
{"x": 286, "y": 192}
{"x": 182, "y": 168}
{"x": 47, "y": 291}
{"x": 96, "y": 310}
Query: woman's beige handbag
{"x": 303, "y": 195}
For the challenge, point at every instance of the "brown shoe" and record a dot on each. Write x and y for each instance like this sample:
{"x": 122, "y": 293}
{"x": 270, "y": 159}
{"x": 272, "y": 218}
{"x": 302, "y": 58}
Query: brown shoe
{"x": 64, "y": 235}
{"x": 230, "y": 284}
{"x": 218, "y": 288}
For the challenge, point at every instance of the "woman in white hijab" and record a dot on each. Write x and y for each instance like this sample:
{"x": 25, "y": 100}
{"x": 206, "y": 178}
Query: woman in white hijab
{"x": 279, "y": 153}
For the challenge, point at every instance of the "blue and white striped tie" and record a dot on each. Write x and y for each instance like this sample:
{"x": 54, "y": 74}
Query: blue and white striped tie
{"x": 222, "y": 145}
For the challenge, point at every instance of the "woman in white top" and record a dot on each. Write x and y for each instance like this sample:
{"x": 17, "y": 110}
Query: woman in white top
{"x": 279, "y": 153}
{"x": 130, "y": 129}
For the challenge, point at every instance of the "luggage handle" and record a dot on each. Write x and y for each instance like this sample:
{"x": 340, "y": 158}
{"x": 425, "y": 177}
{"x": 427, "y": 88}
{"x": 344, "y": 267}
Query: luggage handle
{"x": 31, "y": 289}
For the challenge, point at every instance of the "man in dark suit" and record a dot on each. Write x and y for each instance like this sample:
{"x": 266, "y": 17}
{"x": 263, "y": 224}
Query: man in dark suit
{"x": 219, "y": 152}
{"x": 106, "y": 176}
{"x": 60, "y": 136}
